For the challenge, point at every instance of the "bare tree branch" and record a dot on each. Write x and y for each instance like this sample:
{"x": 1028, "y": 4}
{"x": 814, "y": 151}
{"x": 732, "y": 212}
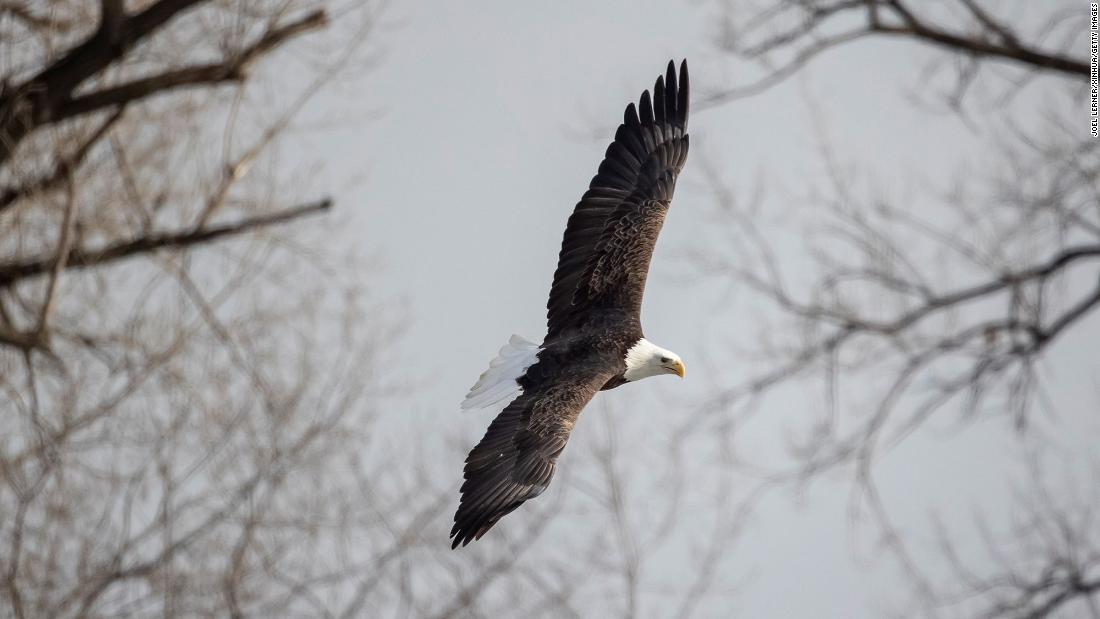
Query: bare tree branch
{"x": 27, "y": 106}
{"x": 61, "y": 258}
{"x": 1008, "y": 50}
{"x": 232, "y": 69}
{"x": 64, "y": 166}
{"x": 80, "y": 258}
{"x": 20, "y": 11}
{"x": 802, "y": 41}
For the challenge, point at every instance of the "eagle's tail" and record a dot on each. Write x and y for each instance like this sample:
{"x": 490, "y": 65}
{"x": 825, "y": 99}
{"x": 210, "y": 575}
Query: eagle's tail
{"x": 498, "y": 383}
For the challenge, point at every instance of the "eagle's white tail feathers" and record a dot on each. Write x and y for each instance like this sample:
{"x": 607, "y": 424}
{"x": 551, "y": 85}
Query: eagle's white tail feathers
{"x": 498, "y": 383}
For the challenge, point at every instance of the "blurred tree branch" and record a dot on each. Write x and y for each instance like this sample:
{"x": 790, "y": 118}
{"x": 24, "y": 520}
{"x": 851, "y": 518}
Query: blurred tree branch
{"x": 84, "y": 258}
{"x": 48, "y": 97}
{"x": 231, "y": 69}
{"x": 901, "y": 311}
{"x": 66, "y": 165}
{"x": 34, "y": 102}
{"x": 168, "y": 430}
{"x": 800, "y": 30}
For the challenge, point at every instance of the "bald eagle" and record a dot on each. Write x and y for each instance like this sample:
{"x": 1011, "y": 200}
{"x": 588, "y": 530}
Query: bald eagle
{"x": 594, "y": 335}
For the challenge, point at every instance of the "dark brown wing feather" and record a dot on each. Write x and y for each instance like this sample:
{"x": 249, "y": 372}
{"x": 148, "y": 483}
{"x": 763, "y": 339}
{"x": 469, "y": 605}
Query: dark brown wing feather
{"x": 609, "y": 240}
{"x": 516, "y": 458}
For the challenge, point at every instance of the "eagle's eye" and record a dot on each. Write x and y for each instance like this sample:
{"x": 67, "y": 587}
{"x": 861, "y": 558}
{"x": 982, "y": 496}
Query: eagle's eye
{"x": 664, "y": 359}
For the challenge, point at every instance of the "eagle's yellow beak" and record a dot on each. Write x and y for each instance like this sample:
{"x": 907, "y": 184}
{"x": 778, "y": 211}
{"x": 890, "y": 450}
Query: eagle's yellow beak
{"x": 677, "y": 368}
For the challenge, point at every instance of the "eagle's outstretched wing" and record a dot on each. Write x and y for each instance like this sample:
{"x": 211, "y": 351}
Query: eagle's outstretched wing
{"x": 603, "y": 264}
{"x": 516, "y": 458}
{"x": 608, "y": 243}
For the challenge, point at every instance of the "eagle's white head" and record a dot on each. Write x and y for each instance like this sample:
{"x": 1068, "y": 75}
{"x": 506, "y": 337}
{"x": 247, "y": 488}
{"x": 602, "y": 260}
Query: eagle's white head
{"x": 646, "y": 359}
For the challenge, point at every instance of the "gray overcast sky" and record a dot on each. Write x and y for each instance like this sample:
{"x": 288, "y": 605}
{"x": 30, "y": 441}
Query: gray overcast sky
{"x": 482, "y": 148}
